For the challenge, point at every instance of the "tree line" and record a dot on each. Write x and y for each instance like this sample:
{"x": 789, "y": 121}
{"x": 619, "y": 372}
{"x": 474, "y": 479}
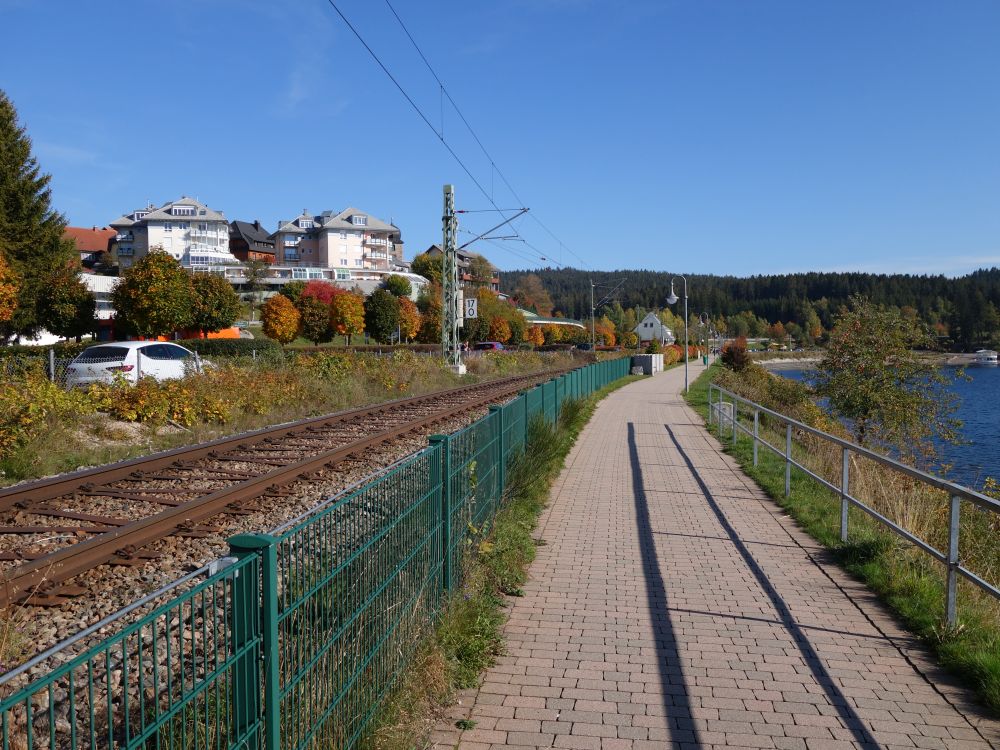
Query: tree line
{"x": 962, "y": 311}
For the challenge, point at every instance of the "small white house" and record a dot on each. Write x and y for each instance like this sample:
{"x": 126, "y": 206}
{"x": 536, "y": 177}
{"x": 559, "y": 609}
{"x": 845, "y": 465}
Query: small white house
{"x": 651, "y": 328}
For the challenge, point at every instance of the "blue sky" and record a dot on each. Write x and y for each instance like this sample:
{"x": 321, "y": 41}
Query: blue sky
{"x": 712, "y": 136}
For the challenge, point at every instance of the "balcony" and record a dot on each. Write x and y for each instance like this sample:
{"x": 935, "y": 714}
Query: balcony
{"x": 291, "y": 256}
{"x": 124, "y": 237}
{"x": 293, "y": 242}
{"x": 377, "y": 256}
{"x": 375, "y": 242}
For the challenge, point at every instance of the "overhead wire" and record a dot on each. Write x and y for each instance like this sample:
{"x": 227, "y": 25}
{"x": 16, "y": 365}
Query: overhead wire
{"x": 493, "y": 165}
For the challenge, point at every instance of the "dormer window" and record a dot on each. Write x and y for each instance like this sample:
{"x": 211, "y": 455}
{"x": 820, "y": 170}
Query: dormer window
{"x": 181, "y": 210}
{"x": 139, "y": 215}
{"x": 306, "y": 224}
{"x": 359, "y": 221}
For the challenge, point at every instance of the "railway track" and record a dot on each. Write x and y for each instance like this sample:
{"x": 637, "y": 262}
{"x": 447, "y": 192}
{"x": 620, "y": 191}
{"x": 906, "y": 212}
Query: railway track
{"x": 55, "y": 529}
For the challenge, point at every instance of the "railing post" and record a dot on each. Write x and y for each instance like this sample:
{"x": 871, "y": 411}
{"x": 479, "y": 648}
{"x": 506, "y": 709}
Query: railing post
{"x": 788, "y": 460}
{"x": 445, "y": 443}
{"x": 845, "y": 489}
{"x": 502, "y": 443}
{"x": 710, "y": 389}
{"x": 52, "y": 365}
{"x": 735, "y": 417}
{"x": 255, "y": 611}
{"x": 756, "y": 433}
{"x": 953, "y": 537}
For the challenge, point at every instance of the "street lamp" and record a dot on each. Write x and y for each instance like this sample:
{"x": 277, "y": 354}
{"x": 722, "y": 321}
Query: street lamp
{"x": 671, "y": 300}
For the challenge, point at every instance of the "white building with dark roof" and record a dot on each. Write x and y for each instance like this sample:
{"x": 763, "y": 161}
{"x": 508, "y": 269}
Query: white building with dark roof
{"x": 350, "y": 239}
{"x": 187, "y": 229}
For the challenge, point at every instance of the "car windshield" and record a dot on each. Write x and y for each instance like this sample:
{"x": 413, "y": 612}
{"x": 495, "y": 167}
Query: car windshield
{"x": 96, "y": 353}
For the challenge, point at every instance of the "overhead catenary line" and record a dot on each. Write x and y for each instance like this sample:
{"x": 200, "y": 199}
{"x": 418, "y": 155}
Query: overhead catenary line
{"x": 472, "y": 131}
{"x": 420, "y": 112}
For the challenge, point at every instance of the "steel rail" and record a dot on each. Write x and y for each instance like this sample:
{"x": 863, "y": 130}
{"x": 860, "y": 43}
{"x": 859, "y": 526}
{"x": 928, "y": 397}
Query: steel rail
{"x": 64, "y": 564}
{"x": 17, "y": 496}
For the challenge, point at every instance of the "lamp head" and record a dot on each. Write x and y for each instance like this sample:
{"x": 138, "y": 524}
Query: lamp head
{"x": 673, "y": 297}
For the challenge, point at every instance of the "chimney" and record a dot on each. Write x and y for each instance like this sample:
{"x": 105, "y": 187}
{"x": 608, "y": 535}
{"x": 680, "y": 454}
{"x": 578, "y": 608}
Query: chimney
{"x": 256, "y": 224}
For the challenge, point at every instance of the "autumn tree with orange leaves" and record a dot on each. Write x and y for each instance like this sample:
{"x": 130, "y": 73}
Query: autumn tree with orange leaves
{"x": 347, "y": 314}
{"x": 280, "y": 319}
{"x": 410, "y": 318}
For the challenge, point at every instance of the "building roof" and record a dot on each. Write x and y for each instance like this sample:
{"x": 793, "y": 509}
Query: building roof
{"x": 534, "y": 319}
{"x": 332, "y": 221}
{"x": 163, "y": 214}
{"x": 202, "y": 212}
{"x": 251, "y": 232}
{"x": 93, "y": 240}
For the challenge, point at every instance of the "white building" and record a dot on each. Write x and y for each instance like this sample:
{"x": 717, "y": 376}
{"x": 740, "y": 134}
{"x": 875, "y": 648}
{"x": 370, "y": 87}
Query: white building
{"x": 651, "y": 328}
{"x": 190, "y": 231}
{"x": 350, "y": 239}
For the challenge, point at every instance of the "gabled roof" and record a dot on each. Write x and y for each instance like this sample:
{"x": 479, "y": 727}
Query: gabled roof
{"x": 252, "y": 232}
{"x": 91, "y": 240}
{"x": 163, "y": 212}
{"x": 330, "y": 220}
{"x": 343, "y": 221}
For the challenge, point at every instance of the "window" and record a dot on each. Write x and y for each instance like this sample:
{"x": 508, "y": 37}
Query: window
{"x": 306, "y": 224}
{"x": 203, "y": 227}
{"x": 343, "y": 261}
{"x": 343, "y": 234}
{"x": 300, "y": 273}
{"x": 182, "y": 211}
{"x": 168, "y": 227}
{"x": 359, "y": 221}
{"x": 183, "y": 225}
{"x": 342, "y": 275}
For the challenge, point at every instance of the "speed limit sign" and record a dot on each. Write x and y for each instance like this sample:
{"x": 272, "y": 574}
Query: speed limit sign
{"x": 471, "y": 307}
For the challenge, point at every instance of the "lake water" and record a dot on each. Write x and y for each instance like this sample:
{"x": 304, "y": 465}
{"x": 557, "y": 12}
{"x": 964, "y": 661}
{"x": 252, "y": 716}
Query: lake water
{"x": 979, "y": 410}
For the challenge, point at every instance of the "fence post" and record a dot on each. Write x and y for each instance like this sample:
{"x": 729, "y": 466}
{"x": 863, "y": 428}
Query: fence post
{"x": 138, "y": 365}
{"x": 197, "y": 363}
{"x": 502, "y": 441}
{"x": 52, "y": 365}
{"x": 736, "y": 415}
{"x": 255, "y": 611}
{"x": 710, "y": 389}
{"x": 953, "y": 536}
{"x": 445, "y": 443}
{"x": 845, "y": 489}
{"x": 788, "y": 460}
{"x": 756, "y": 433}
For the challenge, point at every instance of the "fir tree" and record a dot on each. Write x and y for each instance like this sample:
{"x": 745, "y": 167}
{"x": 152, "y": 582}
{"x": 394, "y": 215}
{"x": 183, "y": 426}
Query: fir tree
{"x": 31, "y": 231}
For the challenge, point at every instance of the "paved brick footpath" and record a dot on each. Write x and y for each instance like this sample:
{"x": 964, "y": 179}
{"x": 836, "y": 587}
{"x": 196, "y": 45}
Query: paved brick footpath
{"x": 674, "y": 606}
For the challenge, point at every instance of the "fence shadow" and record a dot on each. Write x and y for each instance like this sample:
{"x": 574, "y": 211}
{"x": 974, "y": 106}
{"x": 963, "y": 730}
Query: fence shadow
{"x": 836, "y": 698}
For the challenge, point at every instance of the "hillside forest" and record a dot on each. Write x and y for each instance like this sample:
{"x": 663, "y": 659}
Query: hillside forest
{"x": 962, "y": 313}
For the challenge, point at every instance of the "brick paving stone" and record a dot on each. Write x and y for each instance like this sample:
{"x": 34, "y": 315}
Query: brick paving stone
{"x": 675, "y": 606}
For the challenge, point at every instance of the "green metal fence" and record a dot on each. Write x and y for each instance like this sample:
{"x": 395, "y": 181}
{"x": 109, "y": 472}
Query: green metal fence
{"x": 296, "y": 641}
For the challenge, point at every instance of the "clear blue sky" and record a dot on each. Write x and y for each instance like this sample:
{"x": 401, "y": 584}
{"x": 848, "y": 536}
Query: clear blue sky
{"x": 725, "y": 136}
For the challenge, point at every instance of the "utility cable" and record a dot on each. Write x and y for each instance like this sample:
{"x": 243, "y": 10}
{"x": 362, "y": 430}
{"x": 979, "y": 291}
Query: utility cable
{"x": 493, "y": 165}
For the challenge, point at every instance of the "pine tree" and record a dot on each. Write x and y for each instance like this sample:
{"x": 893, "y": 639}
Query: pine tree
{"x": 31, "y": 231}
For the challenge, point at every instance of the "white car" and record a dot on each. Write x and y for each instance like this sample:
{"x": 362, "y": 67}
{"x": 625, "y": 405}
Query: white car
{"x": 130, "y": 360}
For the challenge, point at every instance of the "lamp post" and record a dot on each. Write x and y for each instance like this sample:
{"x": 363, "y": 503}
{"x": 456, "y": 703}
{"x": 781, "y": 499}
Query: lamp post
{"x": 671, "y": 300}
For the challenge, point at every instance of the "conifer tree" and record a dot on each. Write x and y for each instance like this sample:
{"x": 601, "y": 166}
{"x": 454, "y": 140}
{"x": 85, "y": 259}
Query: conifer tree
{"x": 31, "y": 231}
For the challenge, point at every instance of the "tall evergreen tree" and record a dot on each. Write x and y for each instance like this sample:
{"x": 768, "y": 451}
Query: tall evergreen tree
{"x": 31, "y": 231}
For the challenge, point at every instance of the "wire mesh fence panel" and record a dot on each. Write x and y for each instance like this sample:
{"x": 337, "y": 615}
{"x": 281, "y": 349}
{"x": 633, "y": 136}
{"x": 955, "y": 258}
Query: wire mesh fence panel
{"x": 185, "y": 676}
{"x": 474, "y": 484}
{"x": 357, "y": 584}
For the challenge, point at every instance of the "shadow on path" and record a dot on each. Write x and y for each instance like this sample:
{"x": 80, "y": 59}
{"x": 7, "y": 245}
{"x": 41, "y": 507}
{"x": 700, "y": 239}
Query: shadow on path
{"x": 676, "y": 702}
{"x": 837, "y": 699}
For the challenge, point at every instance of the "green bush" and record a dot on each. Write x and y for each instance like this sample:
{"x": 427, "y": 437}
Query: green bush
{"x": 234, "y": 347}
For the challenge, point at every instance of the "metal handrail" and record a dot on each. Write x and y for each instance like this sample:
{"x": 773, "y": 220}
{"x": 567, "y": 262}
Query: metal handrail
{"x": 956, "y": 492}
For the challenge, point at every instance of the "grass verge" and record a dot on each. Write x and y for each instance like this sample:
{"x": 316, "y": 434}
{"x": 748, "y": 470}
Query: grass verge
{"x": 468, "y": 634}
{"x": 908, "y": 581}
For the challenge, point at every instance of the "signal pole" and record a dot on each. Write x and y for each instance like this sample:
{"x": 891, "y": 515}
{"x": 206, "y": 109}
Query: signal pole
{"x": 449, "y": 281}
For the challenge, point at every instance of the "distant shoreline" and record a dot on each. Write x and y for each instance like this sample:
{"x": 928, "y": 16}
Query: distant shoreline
{"x": 809, "y": 363}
